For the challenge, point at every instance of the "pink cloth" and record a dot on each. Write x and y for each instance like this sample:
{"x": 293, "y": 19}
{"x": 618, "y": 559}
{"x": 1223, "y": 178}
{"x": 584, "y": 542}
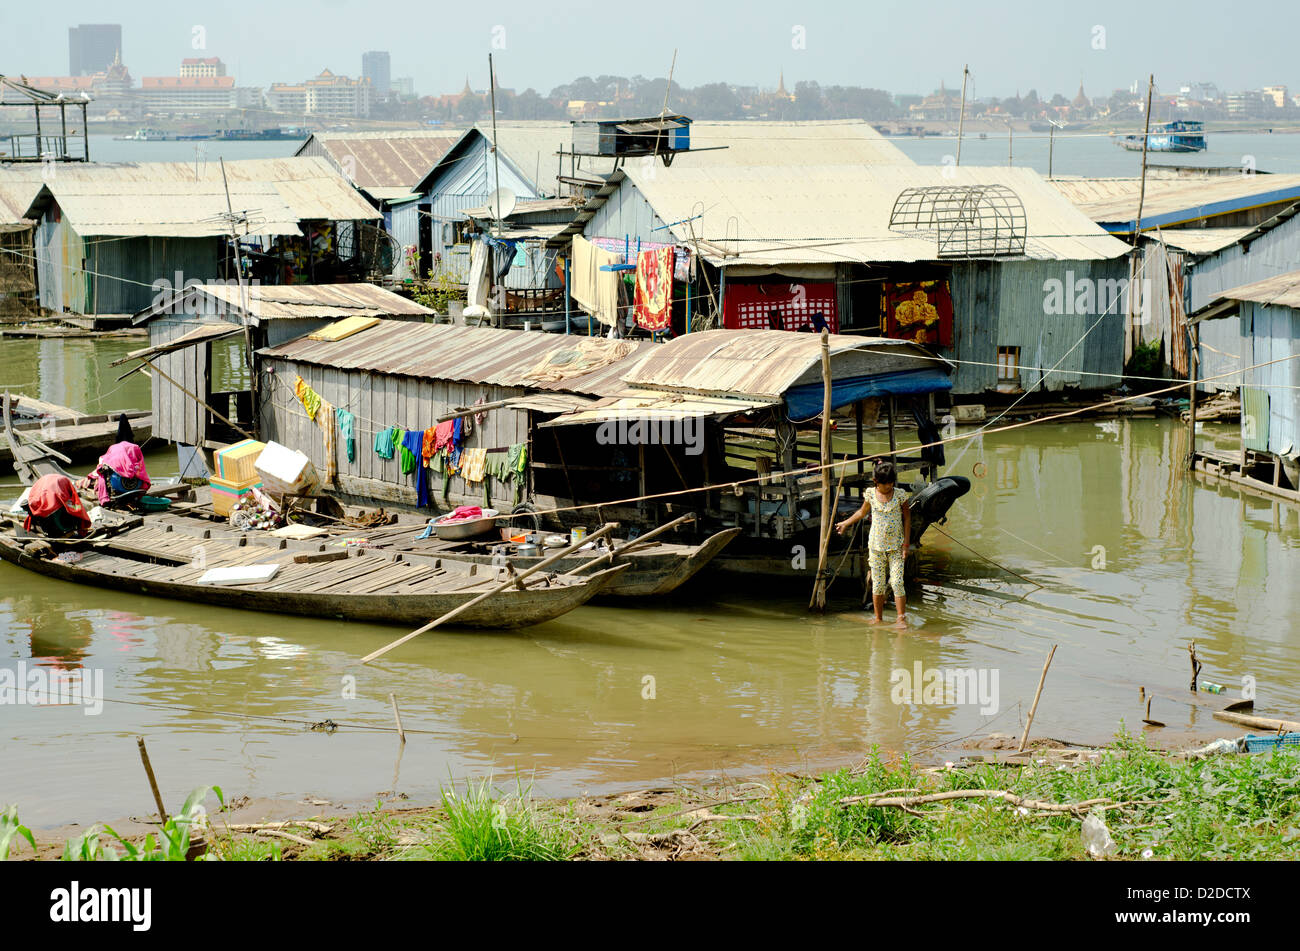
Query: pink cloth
{"x": 443, "y": 435}
{"x": 124, "y": 458}
{"x": 464, "y": 512}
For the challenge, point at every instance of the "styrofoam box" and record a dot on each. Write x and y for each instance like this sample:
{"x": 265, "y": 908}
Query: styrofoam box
{"x": 286, "y": 471}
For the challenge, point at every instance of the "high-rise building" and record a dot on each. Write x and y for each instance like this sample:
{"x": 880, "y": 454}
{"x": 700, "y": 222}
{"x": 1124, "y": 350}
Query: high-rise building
{"x": 325, "y": 95}
{"x": 92, "y": 47}
{"x": 403, "y": 86}
{"x": 206, "y": 67}
{"x": 377, "y": 67}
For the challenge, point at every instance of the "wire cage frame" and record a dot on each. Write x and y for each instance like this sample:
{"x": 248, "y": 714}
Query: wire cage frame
{"x": 967, "y": 221}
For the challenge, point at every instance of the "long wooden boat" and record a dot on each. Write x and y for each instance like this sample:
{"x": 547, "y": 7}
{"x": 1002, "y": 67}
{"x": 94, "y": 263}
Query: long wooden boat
{"x": 656, "y": 569}
{"x": 313, "y": 580}
{"x": 69, "y": 434}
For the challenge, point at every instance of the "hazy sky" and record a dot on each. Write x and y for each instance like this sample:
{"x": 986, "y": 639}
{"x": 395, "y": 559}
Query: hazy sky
{"x": 899, "y": 46}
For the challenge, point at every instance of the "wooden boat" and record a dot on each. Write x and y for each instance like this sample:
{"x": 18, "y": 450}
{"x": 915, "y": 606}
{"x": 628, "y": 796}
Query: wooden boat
{"x": 658, "y": 568}
{"x": 167, "y": 558}
{"x": 61, "y": 433}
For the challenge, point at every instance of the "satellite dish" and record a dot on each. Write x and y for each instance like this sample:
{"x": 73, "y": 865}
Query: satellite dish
{"x": 501, "y": 203}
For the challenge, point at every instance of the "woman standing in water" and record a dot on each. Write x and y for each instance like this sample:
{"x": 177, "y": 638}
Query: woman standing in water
{"x": 891, "y": 527}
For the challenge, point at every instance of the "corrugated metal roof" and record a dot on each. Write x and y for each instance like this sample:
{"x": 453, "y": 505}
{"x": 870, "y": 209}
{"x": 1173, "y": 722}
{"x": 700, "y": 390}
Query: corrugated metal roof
{"x": 293, "y": 301}
{"x": 1201, "y": 240}
{"x": 1113, "y": 202}
{"x": 466, "y": 354}
{"x": 385, "y": 164}
{"x": 19, "y": 185}
{"x": 764, "y": 364}
{"x": 775, "y": 214}
{"x": 1282, "y": 290}
{"x": 178, "y": 199}
{"x": 655, "y": 405}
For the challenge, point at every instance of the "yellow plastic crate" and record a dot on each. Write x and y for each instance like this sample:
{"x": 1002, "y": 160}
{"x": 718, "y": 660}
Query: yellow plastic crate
{"x": 226, "y": 493}
{"x": 236, "y": 463}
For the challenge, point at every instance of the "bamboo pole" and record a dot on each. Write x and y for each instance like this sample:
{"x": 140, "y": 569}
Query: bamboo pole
{"x": 632, "y": 543}
{"x": 1194, "y": 341}
{"x": 818, "y": 602}
{"x": 1024, "y": 738}
{"x": 609, "y": 527}
{"x": 392, "y": 698}
{"x": 153, "y": 783}
{"x": 1258, "y": 723}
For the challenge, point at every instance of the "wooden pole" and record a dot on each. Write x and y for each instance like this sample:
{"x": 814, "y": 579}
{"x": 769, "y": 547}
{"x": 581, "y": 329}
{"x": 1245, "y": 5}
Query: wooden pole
{"x": 1258, "y": 723}
{"x": 1037, "y": 693}
{"x": 153, "y": 783}
{"x": 1194, "y": 339}
{"x": 818, "y": 602}
{"x": 961, "y": 116}
{"x": 392, "y": 698}
{"x": 487, "y": 594}
{"x": 633, "y": 543}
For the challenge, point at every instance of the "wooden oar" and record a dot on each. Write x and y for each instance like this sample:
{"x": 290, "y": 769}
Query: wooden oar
{"x": 627, "y": 545}
{"x": 605, "y": 530}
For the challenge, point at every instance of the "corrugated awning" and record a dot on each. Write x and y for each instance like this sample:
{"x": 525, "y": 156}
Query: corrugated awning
{"x": 654, "y": 405}
{"x": 550, "y": 403}
{"x": 204, "y": 334}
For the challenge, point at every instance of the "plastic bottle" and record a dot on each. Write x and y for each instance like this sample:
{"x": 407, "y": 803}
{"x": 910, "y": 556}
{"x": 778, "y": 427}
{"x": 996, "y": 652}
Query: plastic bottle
{"x": 1211, "y": 687}
{"x": 1096, "y": 837}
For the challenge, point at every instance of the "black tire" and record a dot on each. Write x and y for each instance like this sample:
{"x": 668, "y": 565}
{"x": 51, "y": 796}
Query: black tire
{"x": 522, "y": 514}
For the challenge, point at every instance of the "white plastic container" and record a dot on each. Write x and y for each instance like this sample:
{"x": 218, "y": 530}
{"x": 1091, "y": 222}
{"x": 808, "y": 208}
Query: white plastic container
{"x": 286, "y": 471}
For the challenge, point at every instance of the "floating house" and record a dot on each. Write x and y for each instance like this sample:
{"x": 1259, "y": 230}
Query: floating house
{"x": 989, "y": 266}
{"x": 385, "y": 167}
{"x": 111, "y": 238}
{"x": 549, "y": 160}
{"x": 203, "y": 393}
{"x": 600, "y": 423}
{"x": 1189, "y": 226}
{"x": 18, "y": 186}
{"x": 1266, "y": 355}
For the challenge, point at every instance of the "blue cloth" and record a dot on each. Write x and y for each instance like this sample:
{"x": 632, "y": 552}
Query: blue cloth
{"x": 805, "y": 402}
{"x": 414, "y": 441}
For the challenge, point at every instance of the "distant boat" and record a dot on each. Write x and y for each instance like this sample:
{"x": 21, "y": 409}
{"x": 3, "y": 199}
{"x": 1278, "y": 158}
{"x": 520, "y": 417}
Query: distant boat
{"x": 1182, "y": 135}
{"x": 157, "y": 135}
{"x": 259, "y": 135}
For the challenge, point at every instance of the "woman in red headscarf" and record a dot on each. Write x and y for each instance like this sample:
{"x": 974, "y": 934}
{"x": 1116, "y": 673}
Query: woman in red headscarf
{"x": 55, "y": 509}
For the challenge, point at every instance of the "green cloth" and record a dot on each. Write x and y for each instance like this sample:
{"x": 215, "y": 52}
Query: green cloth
{"x": 408, "y": 460}
{"x": 517, "y": 457}
{"x": 516, "y": 463}
{"x": 346, "y": 420}
{"x": 494, "y": 468}
{"x": 384, "y": 443}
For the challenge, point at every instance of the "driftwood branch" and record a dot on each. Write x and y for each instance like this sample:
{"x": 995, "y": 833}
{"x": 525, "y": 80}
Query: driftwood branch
{"x": 907, "y": 802}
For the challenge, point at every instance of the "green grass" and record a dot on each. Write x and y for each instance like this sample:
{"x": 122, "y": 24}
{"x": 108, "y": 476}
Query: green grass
{"x": 1224, "y": 807}
{"x": 482, "y": 826}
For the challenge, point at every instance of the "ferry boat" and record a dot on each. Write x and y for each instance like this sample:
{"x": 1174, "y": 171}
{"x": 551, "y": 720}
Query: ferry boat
{"x": 1182, "y": 135}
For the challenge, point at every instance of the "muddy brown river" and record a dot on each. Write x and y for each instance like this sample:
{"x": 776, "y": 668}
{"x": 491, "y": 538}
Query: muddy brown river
{"x": 1135, "y": 558}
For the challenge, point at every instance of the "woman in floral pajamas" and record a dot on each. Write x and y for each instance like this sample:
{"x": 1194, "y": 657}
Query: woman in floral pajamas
{"x": 891, "y": 527}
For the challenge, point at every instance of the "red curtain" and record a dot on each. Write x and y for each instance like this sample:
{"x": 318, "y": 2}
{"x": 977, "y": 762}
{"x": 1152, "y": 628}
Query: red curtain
{"x": 749, "y": 306}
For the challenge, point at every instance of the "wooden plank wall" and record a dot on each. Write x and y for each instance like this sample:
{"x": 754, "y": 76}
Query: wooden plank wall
{"x": 378, "y": 401}
{"x": 177, "y": 417}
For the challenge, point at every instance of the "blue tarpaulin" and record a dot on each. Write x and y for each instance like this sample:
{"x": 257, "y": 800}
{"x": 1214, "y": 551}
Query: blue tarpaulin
{"x": 805, "y": 402}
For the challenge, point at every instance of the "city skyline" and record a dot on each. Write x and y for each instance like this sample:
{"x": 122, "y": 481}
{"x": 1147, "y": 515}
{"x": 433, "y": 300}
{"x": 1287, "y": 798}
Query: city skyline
{"x": 1115, "y": 45}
